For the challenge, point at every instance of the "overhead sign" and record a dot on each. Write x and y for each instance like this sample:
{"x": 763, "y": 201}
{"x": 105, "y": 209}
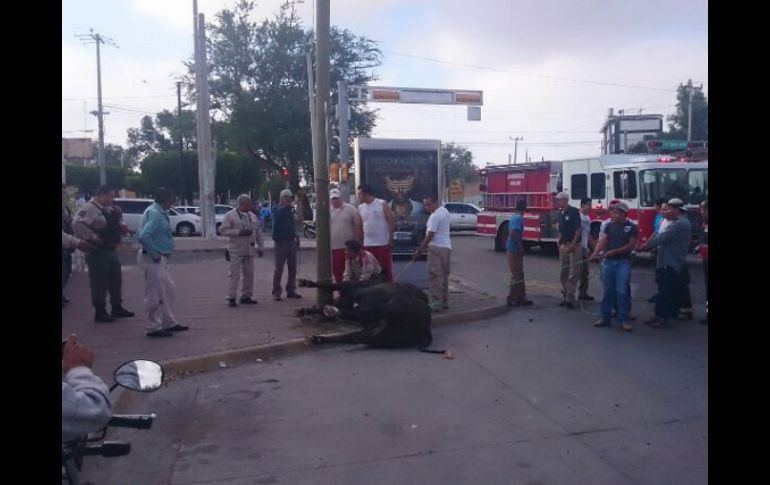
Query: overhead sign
{"x": 417, "y": 95}
{"x": 77, "y": 148}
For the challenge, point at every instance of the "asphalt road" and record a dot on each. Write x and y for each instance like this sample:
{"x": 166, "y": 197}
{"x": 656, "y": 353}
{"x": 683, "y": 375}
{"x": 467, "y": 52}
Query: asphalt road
{"x": 535, "y": 397}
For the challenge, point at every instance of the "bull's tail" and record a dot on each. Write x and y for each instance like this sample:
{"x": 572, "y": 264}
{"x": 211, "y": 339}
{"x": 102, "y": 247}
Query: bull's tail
{"x": 423, "y": 347}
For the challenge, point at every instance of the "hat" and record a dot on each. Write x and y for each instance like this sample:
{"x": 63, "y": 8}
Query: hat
{"x": 335, "y": 194}
{"x": 286, "y": 193}
{"x": 562, "y": 195}
{"x": 622, "y": 206}
{"x": 678, "y": 203}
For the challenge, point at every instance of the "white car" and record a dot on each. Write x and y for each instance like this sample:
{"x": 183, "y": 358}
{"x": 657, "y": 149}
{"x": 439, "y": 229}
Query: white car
{"x": 182, "y": 224}
{"x": 219, "y": 212}
{"x": 462, "y": 216}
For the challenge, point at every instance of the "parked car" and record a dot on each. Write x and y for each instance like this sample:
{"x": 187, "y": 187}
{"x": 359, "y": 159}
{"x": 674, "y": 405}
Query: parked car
{"x": 182, "y": 224}
{"x": 219, "y": 212}
{"x": 462, "y": 216}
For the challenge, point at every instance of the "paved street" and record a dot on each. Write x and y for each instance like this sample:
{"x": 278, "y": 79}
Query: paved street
{"x": 537, "y": 396}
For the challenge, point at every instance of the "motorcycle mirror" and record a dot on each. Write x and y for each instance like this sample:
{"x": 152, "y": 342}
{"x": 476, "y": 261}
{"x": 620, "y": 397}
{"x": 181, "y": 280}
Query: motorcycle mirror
{"x": 139, "y": 375}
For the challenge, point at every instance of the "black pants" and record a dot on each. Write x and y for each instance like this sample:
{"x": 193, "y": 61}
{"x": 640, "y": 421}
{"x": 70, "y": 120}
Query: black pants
{"x": 105, "y": 277}
{"x": 66, "y": 268}
{"x": 685, "y": 300}
{"x": 670, "y": 284}
{"x": 706, "y": 280}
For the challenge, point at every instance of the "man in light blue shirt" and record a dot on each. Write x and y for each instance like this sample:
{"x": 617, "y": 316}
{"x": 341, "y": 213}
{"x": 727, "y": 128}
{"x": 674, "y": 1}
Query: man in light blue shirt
{"x": 515, "y": 253}
{"x": 157, "y": 244}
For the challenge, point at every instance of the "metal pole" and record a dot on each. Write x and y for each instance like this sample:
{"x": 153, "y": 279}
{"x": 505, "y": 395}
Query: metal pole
{"x": 320, "y": 163}
{"x": 179, "y": 127}
{"x": 311, "y": 98}
{"x": 100, "y": 113}
{"x": 689, "y": 113}
{"x": 205, "y": 161}
{"x": 342, "y": 123}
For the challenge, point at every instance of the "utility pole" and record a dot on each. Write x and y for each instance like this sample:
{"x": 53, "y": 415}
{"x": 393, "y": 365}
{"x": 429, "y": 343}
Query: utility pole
{"x": 311, "y": 98}
{"x": 205, "y": 160}
{"x": 515, "y": 146}
{"x": 98, "y": 39}
{"x": 689, "y": 113}
{"x": 320, "y": 163}
{"x": 179, "y": 128}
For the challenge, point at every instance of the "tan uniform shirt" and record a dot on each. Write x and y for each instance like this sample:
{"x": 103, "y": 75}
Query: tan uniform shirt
{"x": 88, "y": 221}
{"x": 234, "y": 222}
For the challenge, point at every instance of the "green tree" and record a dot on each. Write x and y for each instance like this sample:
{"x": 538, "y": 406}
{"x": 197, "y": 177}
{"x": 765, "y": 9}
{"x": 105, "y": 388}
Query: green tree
{"x": 146, "y": 139}
{"x": 258, "y": 85}
{"x": 168, "y": 123}
{"x": 677, "y": 128}
{"x": 86, "y": 179}
{"x": 458, "y": 164}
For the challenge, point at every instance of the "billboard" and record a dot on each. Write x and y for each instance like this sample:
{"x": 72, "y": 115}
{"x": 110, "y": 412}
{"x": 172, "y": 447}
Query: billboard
{"x": 402, "y": 178}
{"x": 77, "y": 148}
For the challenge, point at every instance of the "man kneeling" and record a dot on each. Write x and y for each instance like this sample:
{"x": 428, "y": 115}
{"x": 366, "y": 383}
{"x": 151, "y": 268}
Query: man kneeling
{"x": 360, "y": 264}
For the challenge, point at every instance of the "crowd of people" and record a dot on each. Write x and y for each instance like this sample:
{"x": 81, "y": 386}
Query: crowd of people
{"x": 613, "y": 249}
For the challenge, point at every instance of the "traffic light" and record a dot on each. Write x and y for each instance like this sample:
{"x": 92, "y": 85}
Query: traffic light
{"x": 334, "y": 172}
{"x": 285, "y": 172}
{"x": 344, "y": 172}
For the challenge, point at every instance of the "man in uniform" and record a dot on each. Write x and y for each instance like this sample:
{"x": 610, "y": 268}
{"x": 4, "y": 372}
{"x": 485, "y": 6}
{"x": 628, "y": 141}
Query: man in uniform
{"x": 101, "y": 224}
{"x": 570, "y": 252}
{"x": 242, "y": 227}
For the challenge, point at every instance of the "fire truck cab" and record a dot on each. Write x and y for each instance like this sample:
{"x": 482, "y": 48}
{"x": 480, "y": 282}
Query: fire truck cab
{"x": 637, "y": 180}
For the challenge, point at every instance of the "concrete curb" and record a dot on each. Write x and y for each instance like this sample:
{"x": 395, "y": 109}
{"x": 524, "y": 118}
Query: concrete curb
{"x": 177, "y": 368}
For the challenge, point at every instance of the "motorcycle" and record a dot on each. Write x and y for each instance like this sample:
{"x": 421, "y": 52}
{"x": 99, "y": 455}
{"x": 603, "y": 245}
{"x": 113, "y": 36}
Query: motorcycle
{"x": 309, "y": 229}
{"x": 137, "y": 375}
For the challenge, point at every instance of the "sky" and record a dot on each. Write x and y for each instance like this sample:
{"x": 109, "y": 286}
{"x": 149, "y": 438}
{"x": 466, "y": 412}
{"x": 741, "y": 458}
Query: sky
{"x": 549, "y": 69}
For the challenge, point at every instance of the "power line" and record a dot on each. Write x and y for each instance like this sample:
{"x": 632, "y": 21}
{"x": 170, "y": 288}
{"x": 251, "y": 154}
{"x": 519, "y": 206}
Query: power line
{"x": 124, "y": 97}
{"x": 519, "y": 73}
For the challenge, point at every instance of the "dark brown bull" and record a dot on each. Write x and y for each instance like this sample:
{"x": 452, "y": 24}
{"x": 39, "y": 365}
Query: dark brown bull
{"x": 394, "y": 315}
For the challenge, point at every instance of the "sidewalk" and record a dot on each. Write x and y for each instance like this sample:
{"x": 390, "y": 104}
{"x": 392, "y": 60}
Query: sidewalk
{"x": 216, "y": 328}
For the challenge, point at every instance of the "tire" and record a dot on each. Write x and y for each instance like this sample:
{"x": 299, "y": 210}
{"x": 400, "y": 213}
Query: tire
{"x": 185, "y": 229}
{"x": 500, "y": 238}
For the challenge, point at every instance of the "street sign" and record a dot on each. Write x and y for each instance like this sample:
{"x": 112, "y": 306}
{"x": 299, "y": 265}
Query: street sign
{"x": 673, "y": 144}
{"x": 417, "y": 95}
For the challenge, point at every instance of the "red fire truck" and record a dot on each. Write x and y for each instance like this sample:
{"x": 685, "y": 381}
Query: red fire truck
{"x": 637, "y": 180}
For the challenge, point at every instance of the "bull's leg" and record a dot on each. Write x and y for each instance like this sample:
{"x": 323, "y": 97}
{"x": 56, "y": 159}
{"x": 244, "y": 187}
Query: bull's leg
{"x": 357, "y": 337}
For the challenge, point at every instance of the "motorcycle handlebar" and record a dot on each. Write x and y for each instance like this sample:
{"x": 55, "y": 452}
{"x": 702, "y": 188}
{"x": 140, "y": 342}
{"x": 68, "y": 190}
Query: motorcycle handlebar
{"x": 136, "y": 421}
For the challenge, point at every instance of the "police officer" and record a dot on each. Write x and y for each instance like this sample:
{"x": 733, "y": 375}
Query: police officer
{"x": 100, "y": 223}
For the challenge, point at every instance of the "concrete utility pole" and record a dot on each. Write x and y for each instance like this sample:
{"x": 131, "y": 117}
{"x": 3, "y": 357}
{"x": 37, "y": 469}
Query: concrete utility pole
{"x": 343, "y": 120}
{"x": 320, "y": 163}
{"x": 689, "y": 113}
{"x": 515, "y": 146}
{"x": 179, "y": 127}
{"x": 205, "y": 159}
{"x": 98, "y": 39}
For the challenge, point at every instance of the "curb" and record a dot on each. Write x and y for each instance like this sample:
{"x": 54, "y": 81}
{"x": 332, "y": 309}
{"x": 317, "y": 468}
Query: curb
{"x": 230, "y": 358}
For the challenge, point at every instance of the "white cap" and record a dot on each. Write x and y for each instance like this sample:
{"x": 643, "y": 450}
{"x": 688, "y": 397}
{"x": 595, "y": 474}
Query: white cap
{"x": 286, "y": 193}
{"x": 335, "y": 194}
{"x": 562, "y": 195}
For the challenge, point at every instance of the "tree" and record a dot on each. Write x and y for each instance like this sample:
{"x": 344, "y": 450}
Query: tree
{"x": 146, "y": 139}
{"x": 167, "y": 123}
{"x": 86, "y": 179}
{"x": 258, "y": 85}
{"x": 458, "y": 164}
{"x": 677, "y": 128}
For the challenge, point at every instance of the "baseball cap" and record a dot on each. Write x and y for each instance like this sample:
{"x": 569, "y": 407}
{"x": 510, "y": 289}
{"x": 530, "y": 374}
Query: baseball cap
{"x": 286, "y": 193}
{"x": 621, "y": 206}
{"x": 562, "y": 195}
{"x": 335, "y": 194}
{"x": 678, "y": 203}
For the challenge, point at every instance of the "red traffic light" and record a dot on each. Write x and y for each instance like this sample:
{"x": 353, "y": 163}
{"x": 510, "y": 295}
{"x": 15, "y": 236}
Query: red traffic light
{"x": 285, "y": 172}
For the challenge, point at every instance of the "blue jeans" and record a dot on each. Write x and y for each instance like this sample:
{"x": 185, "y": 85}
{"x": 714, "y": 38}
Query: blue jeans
{"x": 617, "y": 282}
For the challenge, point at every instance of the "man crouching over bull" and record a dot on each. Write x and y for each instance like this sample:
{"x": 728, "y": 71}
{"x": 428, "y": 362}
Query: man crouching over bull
{"x": 393, "y": 315}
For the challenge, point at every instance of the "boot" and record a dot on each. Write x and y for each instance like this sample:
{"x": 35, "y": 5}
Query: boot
{"x": 120, "y": 312}
{"x": 102, "y": 316}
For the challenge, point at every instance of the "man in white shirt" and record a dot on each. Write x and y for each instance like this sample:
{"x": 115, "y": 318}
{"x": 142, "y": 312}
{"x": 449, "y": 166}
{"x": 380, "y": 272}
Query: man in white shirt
{"x": 439, "y": 253}
{"x": 379, "y": 225}
{"x": 346, "y": 225}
